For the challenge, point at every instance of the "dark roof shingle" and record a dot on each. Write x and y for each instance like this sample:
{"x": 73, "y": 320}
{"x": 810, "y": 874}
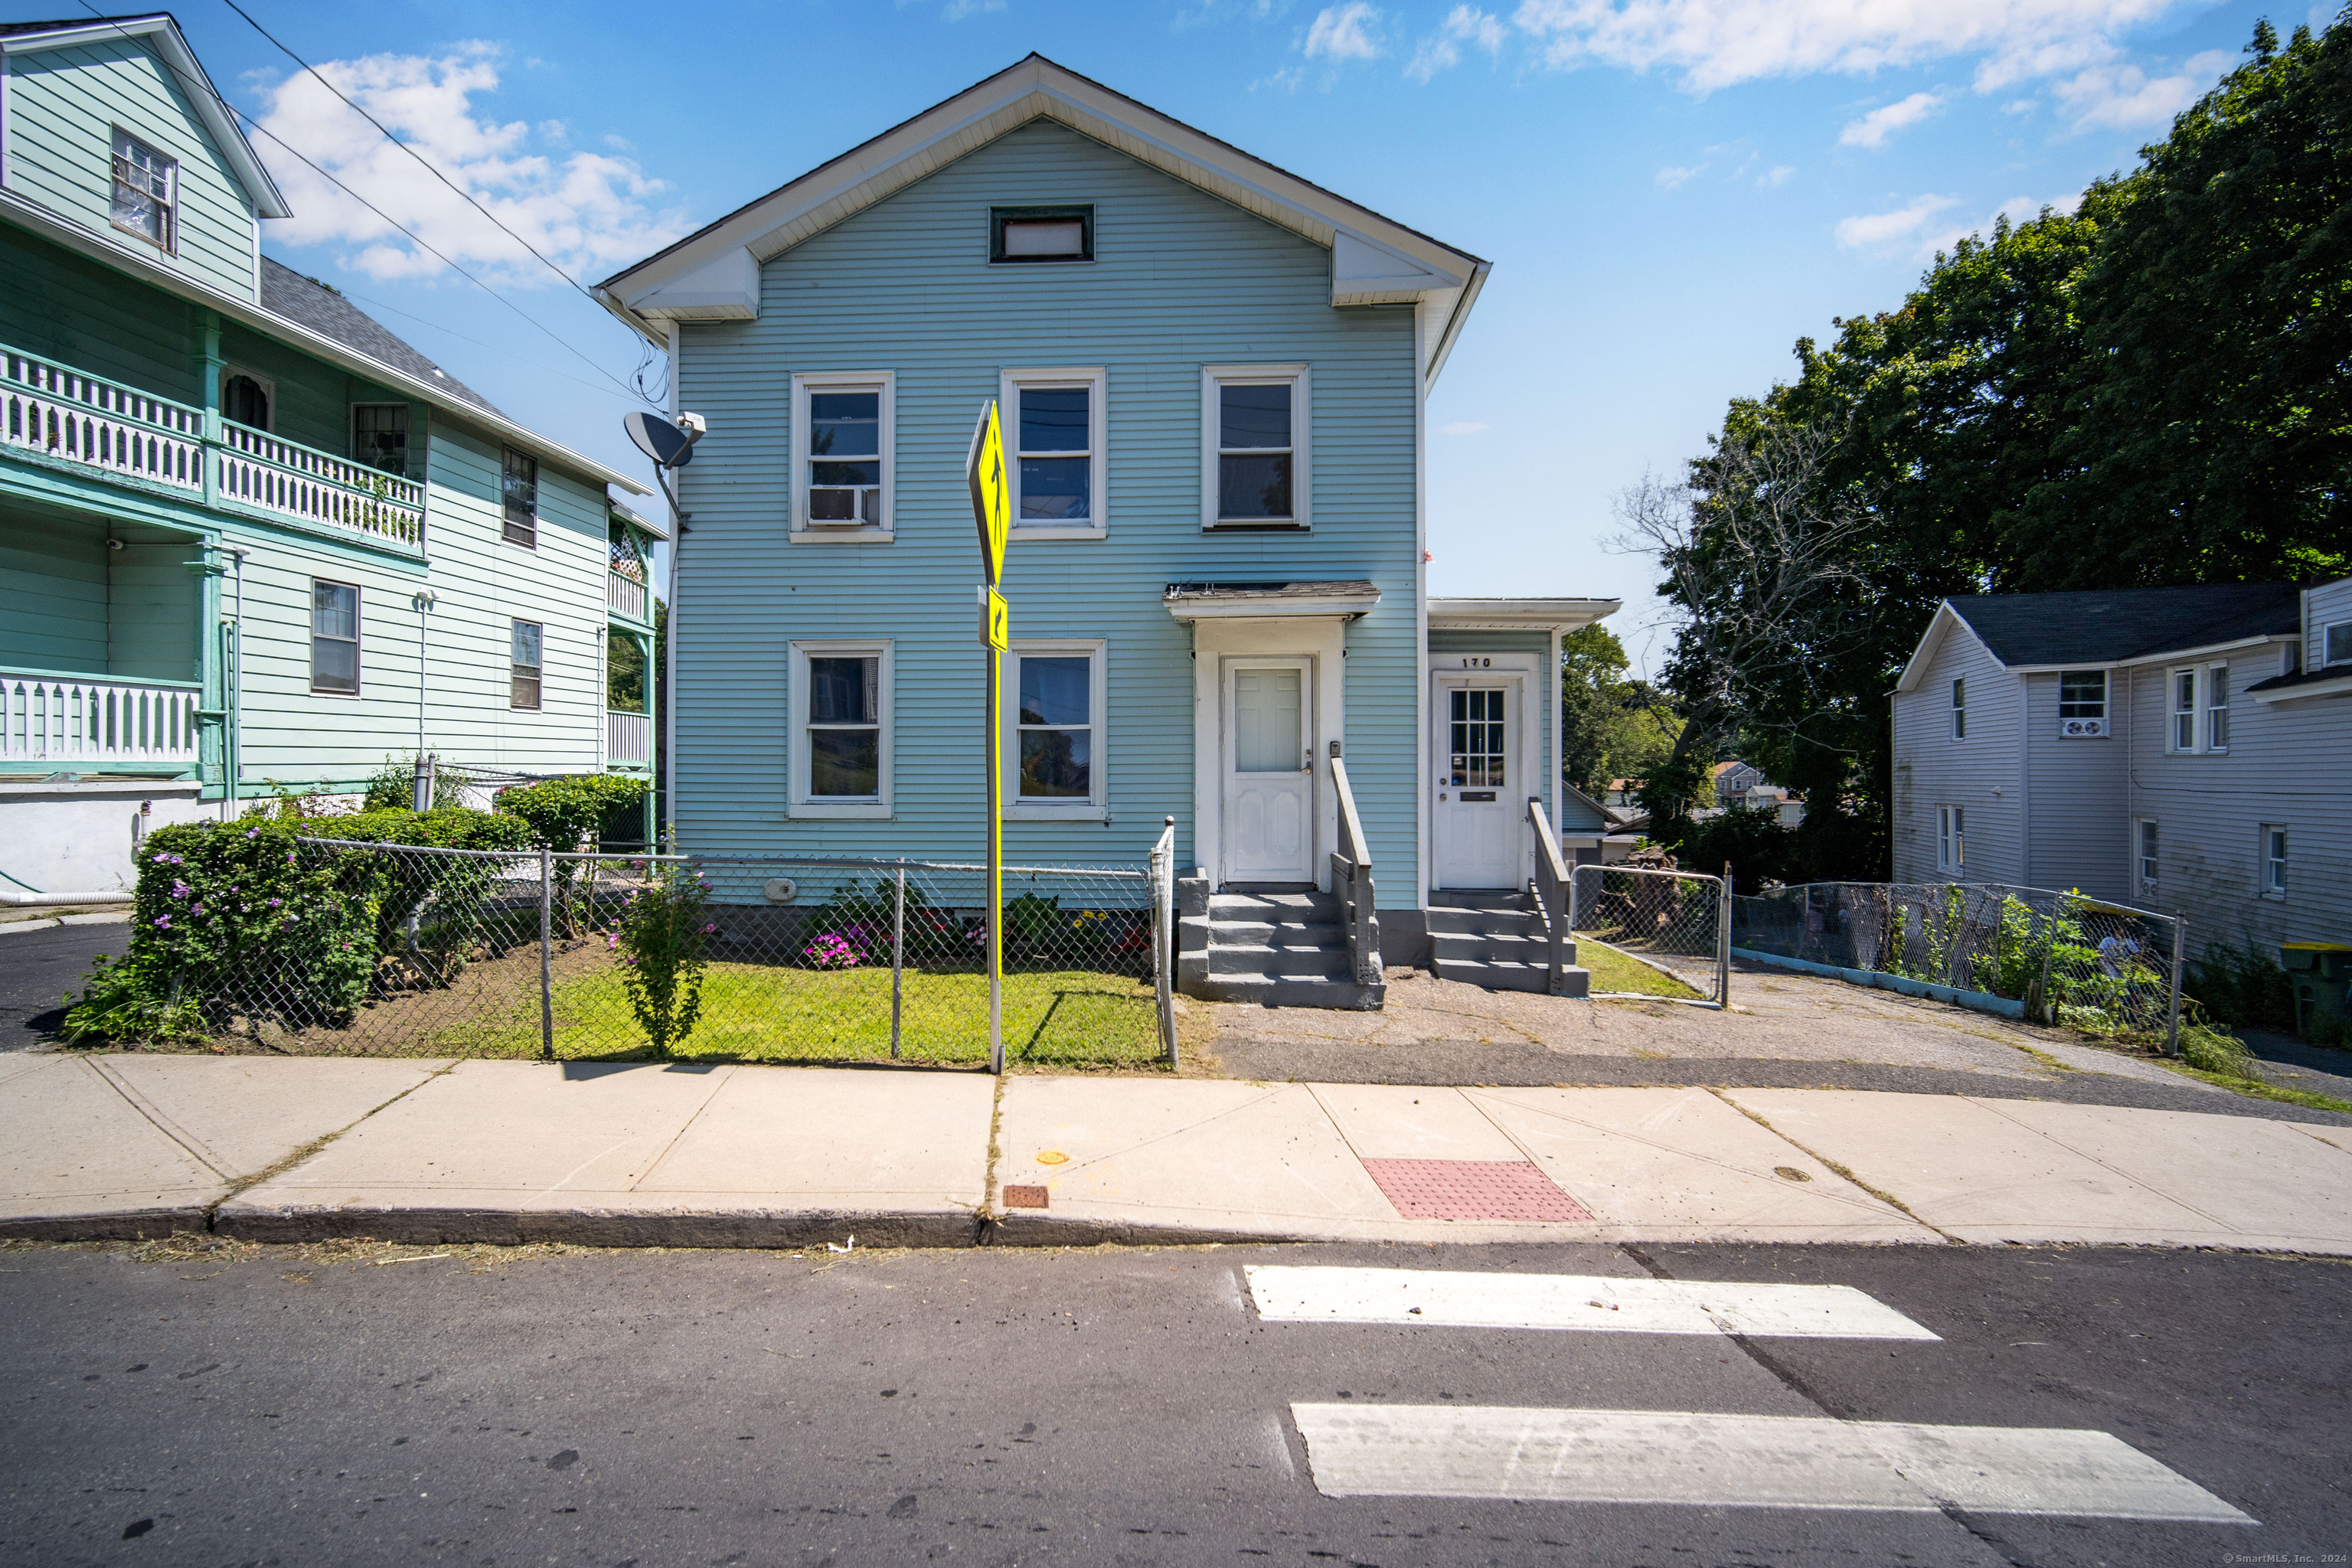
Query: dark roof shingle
{"x": 311, "y": 303}
{"x": 2106, "y": 625}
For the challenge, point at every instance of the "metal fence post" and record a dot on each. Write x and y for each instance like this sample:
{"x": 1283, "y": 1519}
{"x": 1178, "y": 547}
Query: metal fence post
{"x": 898, "y": 955}
{"x": 547, "y": 953}
{"x": 2180, "y": 954}
{"x": 1723, "y": 944}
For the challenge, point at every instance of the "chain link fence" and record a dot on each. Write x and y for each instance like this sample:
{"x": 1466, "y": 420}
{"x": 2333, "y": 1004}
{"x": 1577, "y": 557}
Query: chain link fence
{"x": 425, "y": 952}
{"x": 2068, "y": 959}
{"x": 1675, "y": 922}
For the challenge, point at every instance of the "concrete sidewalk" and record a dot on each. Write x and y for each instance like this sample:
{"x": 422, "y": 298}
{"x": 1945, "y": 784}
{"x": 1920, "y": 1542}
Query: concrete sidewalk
{"x": 297, "y": 1149}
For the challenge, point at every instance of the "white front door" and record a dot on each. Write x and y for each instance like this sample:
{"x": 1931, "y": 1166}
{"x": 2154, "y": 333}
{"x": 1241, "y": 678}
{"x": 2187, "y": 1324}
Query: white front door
{"x": 1269, "y": 777}
{"x": 1480, "y": 812}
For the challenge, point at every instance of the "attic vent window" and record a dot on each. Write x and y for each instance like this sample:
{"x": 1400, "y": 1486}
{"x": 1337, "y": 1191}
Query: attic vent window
{"x": 1041, "y": 234}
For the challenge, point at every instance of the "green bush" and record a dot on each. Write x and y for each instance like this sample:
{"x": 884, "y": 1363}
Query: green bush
{"x": 663, "y": 936}
{"x": 562, "y": 813}
{"x": 2242, "y": 986}
{"x": 394, "y": 787}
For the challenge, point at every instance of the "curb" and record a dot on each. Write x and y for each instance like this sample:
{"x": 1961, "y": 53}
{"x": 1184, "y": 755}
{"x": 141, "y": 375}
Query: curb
{"x": 747, "y": 1228}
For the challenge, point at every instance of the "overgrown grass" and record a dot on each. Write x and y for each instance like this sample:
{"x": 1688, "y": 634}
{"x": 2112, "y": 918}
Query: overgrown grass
{"x": 1613, "y": 971}
{"x": 761, "y": 1013}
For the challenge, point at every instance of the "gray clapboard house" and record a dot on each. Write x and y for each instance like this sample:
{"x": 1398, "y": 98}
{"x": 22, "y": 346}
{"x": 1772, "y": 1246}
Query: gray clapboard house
{"x": 2177, "y": 749}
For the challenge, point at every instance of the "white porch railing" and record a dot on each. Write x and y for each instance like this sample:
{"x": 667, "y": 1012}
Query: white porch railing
{"x": 86, "y": 419}
{"x": 82, "y": 721}
{"x": 625, "y": 596}
{"x": 262, "y": 471}
{"x": 628, "y": 737}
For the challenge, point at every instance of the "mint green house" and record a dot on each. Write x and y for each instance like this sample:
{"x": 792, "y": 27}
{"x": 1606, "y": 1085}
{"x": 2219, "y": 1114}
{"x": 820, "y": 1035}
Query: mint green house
{"x": 1214, "y": 379}
{"x": 249, "y": 539}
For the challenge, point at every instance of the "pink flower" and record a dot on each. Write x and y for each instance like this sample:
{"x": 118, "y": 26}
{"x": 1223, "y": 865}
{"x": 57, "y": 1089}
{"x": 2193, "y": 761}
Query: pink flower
{"x": 163, "y": 923}
{"x": 709, "y": 929}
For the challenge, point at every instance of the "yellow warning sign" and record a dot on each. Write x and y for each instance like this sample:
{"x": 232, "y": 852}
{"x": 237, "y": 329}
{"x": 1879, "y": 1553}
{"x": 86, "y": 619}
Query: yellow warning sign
{"x": 991, "y": 495}
{"x": 996, "y": 622}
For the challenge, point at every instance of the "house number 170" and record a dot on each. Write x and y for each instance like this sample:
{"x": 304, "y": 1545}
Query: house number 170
{"x": 1478, "y": 664}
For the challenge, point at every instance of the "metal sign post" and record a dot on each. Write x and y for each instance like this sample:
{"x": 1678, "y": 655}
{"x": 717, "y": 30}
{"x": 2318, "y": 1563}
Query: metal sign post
{"x": 992, "y": 511}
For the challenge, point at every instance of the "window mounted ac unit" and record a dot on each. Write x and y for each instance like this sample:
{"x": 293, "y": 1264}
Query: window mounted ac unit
{"x": 2073, "y": 728}
{"x": 832, "y": 506}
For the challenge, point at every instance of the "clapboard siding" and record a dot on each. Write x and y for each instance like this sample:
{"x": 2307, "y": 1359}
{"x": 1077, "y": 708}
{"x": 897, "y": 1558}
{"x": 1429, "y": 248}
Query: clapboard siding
{"x": 53, "y": 588}
{"x": 2074, "y": 792}
{"x": 1182, "y": 280}
{"x": 2327, "y": 605}
{"x": 1543, "y": 700}
{"x": 2287, "y": 764}
{"x": 153, "y": 599}
{"x": 1932, "y": 769}
{"x": 63, "y": 106}
{"x": 313, "y": 401}
{"x": 71, "y": 309}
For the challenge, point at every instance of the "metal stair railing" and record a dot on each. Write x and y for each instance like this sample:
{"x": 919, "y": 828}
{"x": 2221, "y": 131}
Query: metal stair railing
{"x": 1351, "y": 880}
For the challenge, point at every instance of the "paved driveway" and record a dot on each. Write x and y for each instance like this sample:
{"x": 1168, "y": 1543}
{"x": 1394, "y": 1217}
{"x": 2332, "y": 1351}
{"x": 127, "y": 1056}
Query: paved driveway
{"x": 38, "y": 968}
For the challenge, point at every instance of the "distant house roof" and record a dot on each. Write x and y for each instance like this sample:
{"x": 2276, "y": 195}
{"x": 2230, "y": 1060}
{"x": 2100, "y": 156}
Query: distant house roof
{"x": 325, "y": 311}
{"x": 2111, "y": 626}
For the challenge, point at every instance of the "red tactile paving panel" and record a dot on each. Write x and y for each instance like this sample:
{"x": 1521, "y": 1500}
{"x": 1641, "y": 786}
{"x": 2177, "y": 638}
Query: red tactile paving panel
{"x": 1025, "y": 1197}
{"x": 1473, "y": 1189}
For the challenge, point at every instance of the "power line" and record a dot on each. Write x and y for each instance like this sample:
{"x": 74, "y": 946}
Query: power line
{"x": 210, "y": 91}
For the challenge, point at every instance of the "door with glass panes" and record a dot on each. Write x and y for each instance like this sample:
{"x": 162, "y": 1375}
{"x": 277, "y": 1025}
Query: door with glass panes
{"x": 1478, "y": 807}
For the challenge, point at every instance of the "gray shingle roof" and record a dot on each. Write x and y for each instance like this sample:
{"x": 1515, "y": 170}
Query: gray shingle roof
{"x": 2111, "y": 625}
{"x": 311, "y": 303}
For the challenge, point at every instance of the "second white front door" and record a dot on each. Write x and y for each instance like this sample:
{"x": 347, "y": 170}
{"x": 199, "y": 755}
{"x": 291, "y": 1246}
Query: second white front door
{"x": 1269, "y": 771}
{"x": 1480, "y": 813}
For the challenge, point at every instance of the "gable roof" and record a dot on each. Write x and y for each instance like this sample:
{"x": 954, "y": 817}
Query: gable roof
{"x": 2111, "y": 626}
{"x": 325, "y": 311}
{"x": 712, "y": 274}
{"x": 159, "y": 28}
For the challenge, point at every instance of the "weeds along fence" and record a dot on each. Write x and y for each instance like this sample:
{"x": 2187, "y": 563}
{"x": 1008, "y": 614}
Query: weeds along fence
{"x": 441, "y": 952}
{"x": 1673, "y": 921}
{"x": 2069, "y": 959}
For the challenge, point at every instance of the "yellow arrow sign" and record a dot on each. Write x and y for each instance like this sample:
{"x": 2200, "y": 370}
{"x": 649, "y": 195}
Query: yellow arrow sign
{"x": 991, "y": 495}
{"x": 997, "y": 631}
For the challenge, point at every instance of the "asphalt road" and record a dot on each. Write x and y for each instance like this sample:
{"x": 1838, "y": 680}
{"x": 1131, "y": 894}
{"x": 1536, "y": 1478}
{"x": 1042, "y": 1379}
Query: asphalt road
{"x": 38, "y": 969}
{"x": 1096, "y": 1407}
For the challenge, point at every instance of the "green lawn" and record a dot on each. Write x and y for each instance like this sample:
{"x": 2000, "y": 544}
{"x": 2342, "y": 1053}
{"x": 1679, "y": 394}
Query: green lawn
{"x": 1612, "y": 971}
{"x": 761, "y": 1013}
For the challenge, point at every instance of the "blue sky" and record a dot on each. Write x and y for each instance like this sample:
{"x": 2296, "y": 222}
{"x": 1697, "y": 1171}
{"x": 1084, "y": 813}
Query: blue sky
{"x": 1671, "y": 190}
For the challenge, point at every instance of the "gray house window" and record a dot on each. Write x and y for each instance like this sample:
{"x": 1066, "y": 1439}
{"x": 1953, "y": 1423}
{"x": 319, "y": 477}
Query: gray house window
{"x": 380, "y": 436}
{"x": 1959, "y": 710}
{"x": 2274, "y": 860}
{"x": 2147, "y": 855}
{"x": 2336, "y": 644}
{"x": 2217, "y": 707}
{"x": 523, "y": 675}
{"x": 334, "y": 638}
{"x": 146, "y": 193}
{"x": 2083, "y": 702}
{"x": 518, "y": 490}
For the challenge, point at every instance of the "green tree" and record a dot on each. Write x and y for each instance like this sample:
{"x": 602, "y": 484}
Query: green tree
{"x": 1611, "y": 726}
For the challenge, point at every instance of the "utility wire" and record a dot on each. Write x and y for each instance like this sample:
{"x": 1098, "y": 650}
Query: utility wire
{"x": 208, "y": 90}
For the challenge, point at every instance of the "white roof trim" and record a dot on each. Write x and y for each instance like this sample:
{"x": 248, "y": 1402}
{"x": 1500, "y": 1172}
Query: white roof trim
{"x": 260, "y": 188}
{"x": 1375, "y": 259}
{"x": 1932, "y": 641}
{"x": 1517, "y": 615}
{"x": 2326, "y": 686}
{"x": 16, "y": 209}
{"x": 1229, "y": 604}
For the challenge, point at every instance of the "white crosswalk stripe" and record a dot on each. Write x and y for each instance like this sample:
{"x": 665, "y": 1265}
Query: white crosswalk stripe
{"x": 1587, "y": 1302}
{"x": 1736, "y": 1461}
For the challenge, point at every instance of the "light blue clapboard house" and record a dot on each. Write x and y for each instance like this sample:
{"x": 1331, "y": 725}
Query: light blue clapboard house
{"x": 1215, "y": 378}
{"x": 248, "y": 538}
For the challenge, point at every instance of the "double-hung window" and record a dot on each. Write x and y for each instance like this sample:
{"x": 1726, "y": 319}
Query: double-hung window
{"x": 2200, "y": 716}
{"x": 843, "y": 441}
{"x": 2083, "y": 702}
{"x": 2147, "y": 847}
{"x": 1056, "y": 724}
{"x": 519, "y": 494}
{"x": 1054, "y": 423}
{"x": 2217, "y": 707}
{"x": 1959, "y": 710}
{"x": 146, "y": 193}
{"x": 334, "y": 639}
{"x": 527, "y": 644}
{"x": 1951, "y": 839}
{"x": 2274, "y": 859}
{"x": 841, "y": 714}
{"x": 1254, "y": 456}
{"x": 2182, "y": 736}
{"x": 380, "y": 436}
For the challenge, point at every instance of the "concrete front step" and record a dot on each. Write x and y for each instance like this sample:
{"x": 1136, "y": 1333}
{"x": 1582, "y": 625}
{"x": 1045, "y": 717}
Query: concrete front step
{"x": 1273, "y": 947}
{"x": 1288, "y": 991}
{"x": 1510, "y": 976}
{"x": 1286, "y": 960}
{"x": 1497, "y": 941}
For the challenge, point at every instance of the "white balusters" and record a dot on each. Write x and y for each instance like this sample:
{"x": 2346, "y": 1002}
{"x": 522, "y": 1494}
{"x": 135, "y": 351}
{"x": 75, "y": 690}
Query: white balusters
{"x": 79, "y": 720}
{"x": 87, "y": 420}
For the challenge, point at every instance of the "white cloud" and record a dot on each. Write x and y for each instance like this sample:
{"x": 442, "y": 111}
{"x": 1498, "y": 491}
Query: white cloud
{"x": 1442, "y": 50}
{"x": 1283, "y": 80}
{"x": 1779, "y": 175}
{"x": 587, "y": 211}
{"x": 1891, "y": 230}
{"x": 1671, "y": 178}
{"x": 959, "y": 9}
{"x": 1874, "y": 127}
{"x": 2126, "y": 97}
{"x": 2017, "y": 210}
{"x": 1345, "y": 32}
{"x": 1715, "y": 43}
{"x": 1463, "y": 427}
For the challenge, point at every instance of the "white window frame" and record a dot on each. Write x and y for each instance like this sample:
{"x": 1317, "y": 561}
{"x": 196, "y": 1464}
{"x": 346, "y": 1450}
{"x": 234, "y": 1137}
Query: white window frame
{"x": 2272, "y": 876}
{"x": 1302, "y": 404}
{"x": 2148, "y": 869}
{"x": 796, "y": 716}
{"x": 1952, "y": 839}
{"x": 169, "y": 199}
{"x": 883, "y": 382}
{"x": 2076, "y": 726}
{"x": 2215, "y": 730}
{"x": 1096, "y": 379}
{"x": 1096, "y": 808}
{"x": 2326, "y": 635}
{"x": 1960, "y": 708}
{"x": 2175, "y": 742}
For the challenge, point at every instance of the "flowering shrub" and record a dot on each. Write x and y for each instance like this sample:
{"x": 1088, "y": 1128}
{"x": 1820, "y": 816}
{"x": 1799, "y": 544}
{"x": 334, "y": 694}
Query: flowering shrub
{"x": 833, "y": 949}
{"x": 663, "y": 938}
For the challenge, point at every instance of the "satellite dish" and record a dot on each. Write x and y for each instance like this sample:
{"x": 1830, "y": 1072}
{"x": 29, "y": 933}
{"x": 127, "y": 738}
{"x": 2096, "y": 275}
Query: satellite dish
{"x": 665, "y": 442}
